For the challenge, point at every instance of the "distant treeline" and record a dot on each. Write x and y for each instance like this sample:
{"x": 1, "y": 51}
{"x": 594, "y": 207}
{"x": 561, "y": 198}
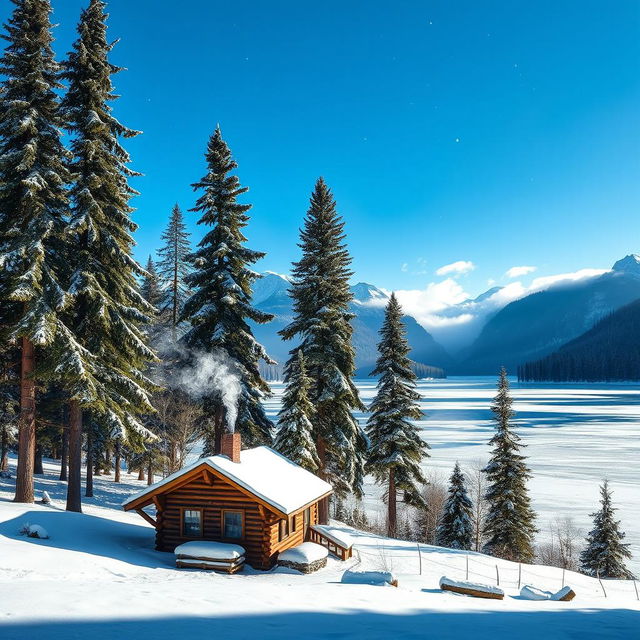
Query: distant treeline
{"x": 608, "y": 352}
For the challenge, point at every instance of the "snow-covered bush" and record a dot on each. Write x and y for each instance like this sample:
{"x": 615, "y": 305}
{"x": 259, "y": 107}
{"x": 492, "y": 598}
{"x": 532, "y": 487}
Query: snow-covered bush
{"x": 34, "y": 531}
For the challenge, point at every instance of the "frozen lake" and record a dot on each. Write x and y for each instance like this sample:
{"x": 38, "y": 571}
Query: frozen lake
{"x": 576, "y": 435}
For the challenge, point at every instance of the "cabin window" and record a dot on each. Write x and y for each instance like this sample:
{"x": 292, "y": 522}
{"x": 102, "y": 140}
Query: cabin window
{"x": 192, "y": 523}
{"x": 232, "y": 524}
{"x": 292, "y": 524}
{"x": 307, "y": 517}
{"x": 283, "y": 531}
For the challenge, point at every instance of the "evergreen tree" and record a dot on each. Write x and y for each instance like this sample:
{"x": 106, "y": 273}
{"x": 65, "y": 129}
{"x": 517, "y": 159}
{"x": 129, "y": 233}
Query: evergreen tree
{"x": 395, "y": 446}
{"x": 456, "y": 525}
{"x": 151, "y": 290}
{"x": 510, "y": 519}
{"x": 294, "y": 439}
{"x": 321, "y": 296}
{"x": 108, "y": 313}
{"x": 33, "y": 206}
{"x": 220, "y": 307}
{"x": 174, "y": 267}
{"x": 605, "y": 552}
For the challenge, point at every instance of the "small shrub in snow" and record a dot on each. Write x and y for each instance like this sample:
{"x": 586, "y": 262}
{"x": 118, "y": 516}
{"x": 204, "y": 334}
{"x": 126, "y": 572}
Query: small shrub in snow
{"x": 34, "y": 531}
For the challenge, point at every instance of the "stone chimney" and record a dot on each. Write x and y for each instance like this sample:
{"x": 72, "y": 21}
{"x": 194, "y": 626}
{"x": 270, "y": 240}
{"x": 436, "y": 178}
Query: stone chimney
{"x": 231, "y": 445}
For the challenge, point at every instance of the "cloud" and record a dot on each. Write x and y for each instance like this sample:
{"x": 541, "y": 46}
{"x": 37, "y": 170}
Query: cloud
{"x": 458, "y": 268}
{"x": 447, "y": 311}
{"x": 404, "y": 267}
{"x": 518, "y": 272}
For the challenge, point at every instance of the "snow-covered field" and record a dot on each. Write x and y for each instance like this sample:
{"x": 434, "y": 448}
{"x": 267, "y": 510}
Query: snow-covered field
{"x": 98, "y": 577}
{"x": 577, "y": 435}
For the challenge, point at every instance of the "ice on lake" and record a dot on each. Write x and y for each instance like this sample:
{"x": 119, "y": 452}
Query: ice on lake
{"x": 576, "y": 435}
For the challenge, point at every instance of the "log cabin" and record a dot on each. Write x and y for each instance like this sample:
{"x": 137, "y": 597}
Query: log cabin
{"x": 256, "y": 498}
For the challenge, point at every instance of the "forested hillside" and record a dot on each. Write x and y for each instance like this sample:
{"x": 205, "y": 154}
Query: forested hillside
{"x": 610, "y": 351}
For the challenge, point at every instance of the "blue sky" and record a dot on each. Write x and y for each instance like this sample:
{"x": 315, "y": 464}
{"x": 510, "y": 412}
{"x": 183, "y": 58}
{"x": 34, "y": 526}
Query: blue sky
{"x": 497, "y": 133}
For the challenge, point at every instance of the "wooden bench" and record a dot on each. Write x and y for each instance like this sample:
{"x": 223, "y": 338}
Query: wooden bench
{"x": 210, "y": 556}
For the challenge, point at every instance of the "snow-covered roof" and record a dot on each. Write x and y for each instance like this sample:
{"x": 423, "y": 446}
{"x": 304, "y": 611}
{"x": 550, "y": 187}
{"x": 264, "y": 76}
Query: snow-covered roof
{"x": 262, "y": 472}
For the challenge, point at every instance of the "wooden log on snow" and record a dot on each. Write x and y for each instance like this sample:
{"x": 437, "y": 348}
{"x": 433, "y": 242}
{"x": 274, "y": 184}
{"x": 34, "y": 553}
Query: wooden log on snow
{"x": 472, "y": 589}
{"x": 565, "y": 594}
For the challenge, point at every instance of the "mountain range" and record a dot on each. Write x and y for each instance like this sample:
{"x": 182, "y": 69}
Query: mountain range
{"x": 271, "y": 296}
{"x": 524, "y": 330}
{"x": 609, "y": 351}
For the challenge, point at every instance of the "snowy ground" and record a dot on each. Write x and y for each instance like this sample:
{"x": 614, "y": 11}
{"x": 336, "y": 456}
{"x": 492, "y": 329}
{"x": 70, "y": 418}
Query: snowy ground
{"x": 98, "y": 577}
{"x": 577, "y": 435}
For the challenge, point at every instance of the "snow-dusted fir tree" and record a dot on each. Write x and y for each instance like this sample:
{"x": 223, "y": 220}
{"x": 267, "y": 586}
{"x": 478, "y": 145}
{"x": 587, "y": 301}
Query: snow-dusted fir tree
{"x": 220, "y": 307}
{"x": 322, "y": 322}
{"x": 108, "y": 312}
{"x": 456, "y": 529}
{"x": 294, "y": 439}
{"x": 173, "y": 268}
{"x": 33, "y": 206}
{"x": 395, "y": 446}
{"x": 151, "y": 288}
{"x": 510, "y": 518}
{"x": 605, "y": 553}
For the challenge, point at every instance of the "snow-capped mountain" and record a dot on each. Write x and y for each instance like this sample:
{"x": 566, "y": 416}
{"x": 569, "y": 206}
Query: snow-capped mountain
{"x": 535, "y": 325}
{"x": 271, "y": 295}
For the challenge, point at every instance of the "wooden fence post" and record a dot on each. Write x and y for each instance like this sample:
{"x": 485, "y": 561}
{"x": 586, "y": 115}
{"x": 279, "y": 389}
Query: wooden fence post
{"x": 420, "y": 557}
{"x": 497, "y": 575}
{"x": 635, "y": 585}
{"x": 519, "y": 573}
{"x": 563, "y": 570}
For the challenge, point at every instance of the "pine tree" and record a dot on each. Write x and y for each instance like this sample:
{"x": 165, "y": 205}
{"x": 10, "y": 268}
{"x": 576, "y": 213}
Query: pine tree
{"x": 108, "y": 311}
{"x": 33, "y": 205}
{"x": 151, "y": 290}
{"x": 605, "y": 552}
{"x": 322, "y": 321}
{"x": 220, "y": 307}
{"x": 510, "y": 520}
{"x": 174, "y": 267}
{"x": 456, "y": 526}
{"x": 294, "y": 439}
{"x": 395, "y": 446}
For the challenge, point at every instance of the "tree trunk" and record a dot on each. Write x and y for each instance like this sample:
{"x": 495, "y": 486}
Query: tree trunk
{"x": 323, "y": 505}
{"x": 27, "y": 425}
{"x": 88, "y": 492}
{"x": 4, "y": 449}
{"x": 150, "y": 474}
{"x": 141, "y": 472}
{"x": 118, "y": 461}
{"x": 392, "y": 512}
{"x": 74, "y": 500}
{"x": 64, "y": 453}
{"x": 38, "y": 469}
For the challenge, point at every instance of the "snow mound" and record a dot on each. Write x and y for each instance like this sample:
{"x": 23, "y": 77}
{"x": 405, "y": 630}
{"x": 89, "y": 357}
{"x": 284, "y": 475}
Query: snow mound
{"x": 307, "y": 552}
{"x": 369, "y": 577}
{"x": 209, "y": 551}
{"x": 529, "y": 592}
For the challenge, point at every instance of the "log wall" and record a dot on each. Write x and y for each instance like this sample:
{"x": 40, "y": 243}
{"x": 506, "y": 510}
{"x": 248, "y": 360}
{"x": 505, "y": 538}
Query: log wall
{"x": 213, "y": 495}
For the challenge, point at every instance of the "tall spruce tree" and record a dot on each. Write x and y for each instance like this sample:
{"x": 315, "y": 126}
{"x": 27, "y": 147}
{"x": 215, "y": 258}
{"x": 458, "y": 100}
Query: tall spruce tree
{"x": 294, "y": 439}
{"x": 395, "y": 446}
{"x": 108, "y": 311}
{"x": 510, "y": 519}
{"x": 322, "y": 322}
{"x": 220, "y": 307}
{"x": 173, "y": 268}
{"x": 456, "y": 525}
{"x": 605, "y": 553}
{"x": 33, "y": 208}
